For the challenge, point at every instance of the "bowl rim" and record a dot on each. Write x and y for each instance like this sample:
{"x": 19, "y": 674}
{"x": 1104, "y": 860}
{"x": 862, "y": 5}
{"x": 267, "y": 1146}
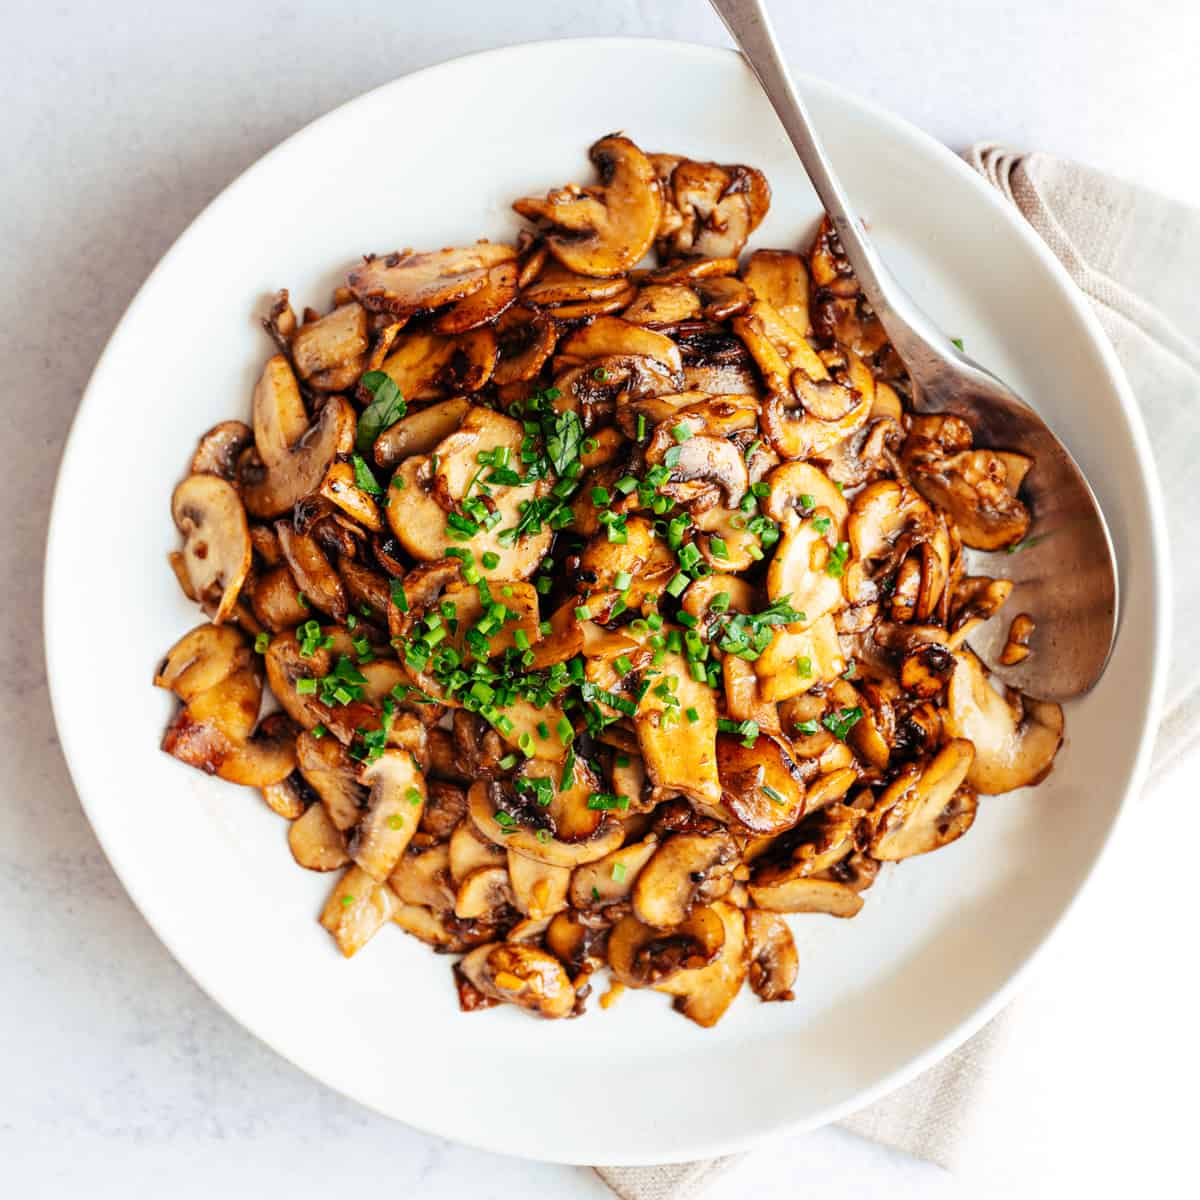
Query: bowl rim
{"x": 1156, "y": 536}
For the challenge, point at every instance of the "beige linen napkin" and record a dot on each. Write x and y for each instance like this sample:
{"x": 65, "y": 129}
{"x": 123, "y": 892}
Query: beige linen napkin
{"x": 1136, "y": 256}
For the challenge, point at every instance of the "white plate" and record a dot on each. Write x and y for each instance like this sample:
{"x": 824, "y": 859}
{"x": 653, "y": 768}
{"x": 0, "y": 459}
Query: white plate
{"x": 435, "y": 159}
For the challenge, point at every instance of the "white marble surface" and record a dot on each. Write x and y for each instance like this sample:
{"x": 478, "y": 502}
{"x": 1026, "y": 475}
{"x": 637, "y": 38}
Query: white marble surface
{"x": 121, "y": 120}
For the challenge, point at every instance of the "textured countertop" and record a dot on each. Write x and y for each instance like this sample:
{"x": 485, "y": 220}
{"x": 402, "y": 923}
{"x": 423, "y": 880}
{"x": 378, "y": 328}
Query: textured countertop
{"x": 121, "y": 121}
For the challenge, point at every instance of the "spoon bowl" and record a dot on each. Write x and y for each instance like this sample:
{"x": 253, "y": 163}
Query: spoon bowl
{"x": 1064, "y": 570}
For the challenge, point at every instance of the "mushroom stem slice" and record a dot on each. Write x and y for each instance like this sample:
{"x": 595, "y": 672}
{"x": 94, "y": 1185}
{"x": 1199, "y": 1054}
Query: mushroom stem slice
{"x": 356, "y": 909}
{"x": 807, "y": 895}
{"x": 316, "y": 842}
{"x": 642, "y": 955}
{"x": 395, "y": 801}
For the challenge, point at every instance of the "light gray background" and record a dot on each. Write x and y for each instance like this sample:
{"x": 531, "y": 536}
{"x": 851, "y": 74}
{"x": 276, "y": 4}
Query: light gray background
{"x": 120, "y": 122}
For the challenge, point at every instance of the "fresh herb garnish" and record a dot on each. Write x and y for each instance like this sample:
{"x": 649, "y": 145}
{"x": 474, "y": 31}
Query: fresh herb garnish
{"x": 385, "y": 409}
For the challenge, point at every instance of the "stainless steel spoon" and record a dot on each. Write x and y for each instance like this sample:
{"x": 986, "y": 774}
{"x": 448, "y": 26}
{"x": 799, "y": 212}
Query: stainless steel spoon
{"x": 1064, "y": 571}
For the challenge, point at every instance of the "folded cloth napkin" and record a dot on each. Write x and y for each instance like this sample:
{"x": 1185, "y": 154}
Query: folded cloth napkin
{"x": 1136, "y": 256}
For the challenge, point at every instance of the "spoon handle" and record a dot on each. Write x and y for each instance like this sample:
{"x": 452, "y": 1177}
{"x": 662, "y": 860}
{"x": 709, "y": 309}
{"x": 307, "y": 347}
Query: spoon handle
{"x": 915, "y": 337}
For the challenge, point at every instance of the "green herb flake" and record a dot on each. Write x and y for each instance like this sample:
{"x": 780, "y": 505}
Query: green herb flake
{"x": 386, "y": 408}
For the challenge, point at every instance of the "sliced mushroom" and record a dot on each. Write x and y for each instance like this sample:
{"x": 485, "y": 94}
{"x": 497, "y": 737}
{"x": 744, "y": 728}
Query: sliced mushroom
{"x": 220, "y": 448}
{"x": 703, "y": 995}
{"x": 539, "y": 889}
{"x": 482, "y": 307}
{"x": 289, "y": 798}
{"x": 697, "y": 460}
{"x": 216, "y": 547}
{"x": 316, "y": 842}
{"x": 602, "y": 231}
{"x": 780, "y": 277}
{"x": 394, "y": 801}
{"x": 356, "y": 910}
{"x": 484, "y": 803}
{"x": 772, "y": 954}
{"x": 764, "y": 787}
{"x": 972, "y": 487}
{"x": 796, "y": 661}
{"x": 445, "y": 803}
{"x": 718, "y": 208}
{"x": 925, "y": 809}
{"x": 340, "y": 487}
{"x": 610, "y": 880}
{"x": 422, "y": 876}
{"x": 332, "y": 349}
{"x": 523, "y": 975}
{"x": 644, "y": 956}
{"x": 804, "y": 572}
{"x": 663, "y": 304}
{"x": 743, "y": 697}
{"x": 485, "y": 895}
{"x": 609, "y": 337}
{"x": 469, "y": 850}
{"x": 525, "y": 339}
{"x": 1015, "y": 736}
{"x": 290, "y": 459}
{"x": 686, "y": 869}
{"x": 678, "y": 762}
{"x": 443, "y": 930}
{"x": 807, "y": 895}
{"x": 329, "y": 770}
{"x": 311, "y": 570}
{"x": 426, "y": 366}
{"x": 402, "y": 284}
{"x": 801, "y": 488}
{"x": 419, "y": 432}
{"x": 276, "y": 601}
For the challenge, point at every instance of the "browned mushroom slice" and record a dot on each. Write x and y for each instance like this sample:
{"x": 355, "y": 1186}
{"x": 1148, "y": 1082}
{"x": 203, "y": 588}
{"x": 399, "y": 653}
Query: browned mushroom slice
{"x": 605, "y": 230}
{"x": 697, "y": 459}
{"x": 801, "y": 488}
{"x": 772, "y": 954}
{"x": 644, "y": 956}
{"x": 316, "y": 842}
{"x": 806, "y": 570}
{"x": 525, "y": 340}
{"x": 395, "y": 798}
{"x": 718, "y": 206}
{"x": 419, "y": 432}
{"x": 1015, "y": 736}
{"x": 608, "y": 337}
{"x": 340, "y": 487}
{"x": 972, "y": 487}
{"x": 687, "y": 869}
{"x": 216, "y": 547}
{"x": 276, "y": 600}
{"x": 484, "y": 306}
{"x": 925, "y": 809}
{"x": 469, "y": 850}
{"x": 485, "y": 895}
{"x": 422, "y": 876}
{"x": 1016, "y": 647}
{"x": 290, "y": 459}
{"x": 329, "y": 770}
{"x": 426, "y": 366}
{"x": 522, "y": 975}
{"x": 220, "y": 448}
{"x": 324, "y": 348}
{"x": 538, "y": 889}
{"x": 610, "y": 880}
{"x": 289, "y": 798}
{"x": 703, "y": 995}
{"x": 402, "y": 284}
{"x": 663, "y": 304}
{"x": 531, "y": 834}
{"x": 816, "y": 414}
{"x": 867, "y": 454}
{"x": 267, "y": 757}
{"x": 743, "y": 696}
{"x": 356, "y": 909}
{"x": 366, "y": 588}
{"x": 444, "y": 931}
{"x": 764, "y": 787}
{"x": 312, "y": 570}
{"x": 201, "y": 659}
{"x": 807, "y": 895}
{"x": 780, "y": 277}
{"x": 682, "y": 760}
{"x": 556, "y": 286}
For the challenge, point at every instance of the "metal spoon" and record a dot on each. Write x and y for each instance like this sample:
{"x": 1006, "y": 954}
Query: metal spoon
{"x": 1064, "y": 571}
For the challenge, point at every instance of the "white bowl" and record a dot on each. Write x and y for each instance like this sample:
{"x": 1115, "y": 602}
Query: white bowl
{"x": 435, "y": 159}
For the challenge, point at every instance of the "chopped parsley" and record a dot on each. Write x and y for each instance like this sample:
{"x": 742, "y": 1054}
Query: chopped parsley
{"x": 386, "y": 408}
